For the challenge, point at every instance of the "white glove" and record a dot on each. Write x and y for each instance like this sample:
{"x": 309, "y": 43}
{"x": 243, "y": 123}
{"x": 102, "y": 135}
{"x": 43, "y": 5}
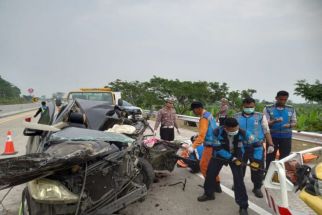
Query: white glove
{"x": 270, "y": 149}
{"x": 191, "y": 149}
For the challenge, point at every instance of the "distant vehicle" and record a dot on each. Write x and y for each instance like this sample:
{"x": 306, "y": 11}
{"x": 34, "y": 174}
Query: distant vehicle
{"x": 96, "y": 94}
{"x": 105, "y": 95}
{"x": 133, "y": 111}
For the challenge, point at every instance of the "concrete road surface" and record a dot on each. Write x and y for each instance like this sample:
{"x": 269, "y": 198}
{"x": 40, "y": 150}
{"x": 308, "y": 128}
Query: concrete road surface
{"x": 14, "y": 109}
{"x": 162, "y": 198}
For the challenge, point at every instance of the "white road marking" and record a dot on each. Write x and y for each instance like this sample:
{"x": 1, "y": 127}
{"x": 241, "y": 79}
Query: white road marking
{"x": 252, "y": 205}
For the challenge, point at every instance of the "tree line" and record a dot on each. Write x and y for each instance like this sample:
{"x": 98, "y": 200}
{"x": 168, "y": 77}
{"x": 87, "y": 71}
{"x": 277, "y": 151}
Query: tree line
{"x": 149, "y": 94}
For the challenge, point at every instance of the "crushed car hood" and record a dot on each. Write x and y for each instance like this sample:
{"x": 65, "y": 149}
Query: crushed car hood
{"x": 66, "y": 148}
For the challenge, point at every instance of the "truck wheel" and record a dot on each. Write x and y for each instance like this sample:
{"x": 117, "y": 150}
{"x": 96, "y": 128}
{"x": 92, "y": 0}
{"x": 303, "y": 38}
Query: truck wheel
{"x": 146, "y": 175}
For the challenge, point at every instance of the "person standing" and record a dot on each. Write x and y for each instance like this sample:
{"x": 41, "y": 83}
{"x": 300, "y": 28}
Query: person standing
{"x": 168, "y": 120}
{"x": 281, "y": 119}
{"x": 256, "y": 124}
{"x": 207, "y": 125}
{"x": 44, "y": 114}
{"x": 229, "y": 149}
{"x": 222, "y": 114}
{"x": 42, "y": 109}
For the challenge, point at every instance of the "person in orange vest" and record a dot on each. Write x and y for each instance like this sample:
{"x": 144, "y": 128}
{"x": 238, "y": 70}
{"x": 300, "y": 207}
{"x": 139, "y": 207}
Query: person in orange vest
{"x": 207, "y": 125}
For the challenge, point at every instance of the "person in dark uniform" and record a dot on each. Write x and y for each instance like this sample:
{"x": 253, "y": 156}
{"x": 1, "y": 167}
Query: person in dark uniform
{"x": 229, "y": 150}
{"x": 42, "y": 109}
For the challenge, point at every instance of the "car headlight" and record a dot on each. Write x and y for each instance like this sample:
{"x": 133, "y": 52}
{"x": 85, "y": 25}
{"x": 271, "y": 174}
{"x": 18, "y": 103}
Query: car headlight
{"x": 50, "y": 191}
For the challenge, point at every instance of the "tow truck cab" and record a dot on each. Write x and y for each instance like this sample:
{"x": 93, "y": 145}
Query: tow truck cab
{"x": 96, "y": 94}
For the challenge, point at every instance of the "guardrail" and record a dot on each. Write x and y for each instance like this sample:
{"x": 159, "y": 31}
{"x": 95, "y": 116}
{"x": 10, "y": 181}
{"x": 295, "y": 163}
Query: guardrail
{"x": 9, "y": 110}
{"x": 314, "y": 137}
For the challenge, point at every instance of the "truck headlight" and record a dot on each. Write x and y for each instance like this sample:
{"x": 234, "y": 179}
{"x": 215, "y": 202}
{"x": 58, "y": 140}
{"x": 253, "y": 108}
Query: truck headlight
{"x": 50, "y": 191}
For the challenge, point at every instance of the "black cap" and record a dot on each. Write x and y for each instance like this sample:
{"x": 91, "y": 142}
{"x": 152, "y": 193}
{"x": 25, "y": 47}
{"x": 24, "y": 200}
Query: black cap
{"x": 196, "y": 105}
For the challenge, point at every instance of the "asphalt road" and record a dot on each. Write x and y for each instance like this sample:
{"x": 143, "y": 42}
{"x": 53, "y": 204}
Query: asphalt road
{"x": 162, "y": 198}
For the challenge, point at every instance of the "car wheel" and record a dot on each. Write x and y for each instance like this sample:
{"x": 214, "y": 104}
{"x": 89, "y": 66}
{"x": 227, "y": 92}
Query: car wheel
{"x": 146, "y": 175}
{"x": 31, "y": 207}
{"x": 25, "y": 205}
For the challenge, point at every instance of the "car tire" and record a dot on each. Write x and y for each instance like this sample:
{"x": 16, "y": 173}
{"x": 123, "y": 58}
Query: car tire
{"x": 146, "y": 172}
{"x": 25, "y": 205}
{"x": 31, "y": 207}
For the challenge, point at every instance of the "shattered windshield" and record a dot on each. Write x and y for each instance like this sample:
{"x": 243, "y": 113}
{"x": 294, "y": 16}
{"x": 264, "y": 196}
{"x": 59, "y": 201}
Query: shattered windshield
{"x": 81, "y": 134}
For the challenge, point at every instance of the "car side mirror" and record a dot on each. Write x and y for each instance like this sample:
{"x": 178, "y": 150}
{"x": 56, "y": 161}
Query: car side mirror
{"x": 120, "y": 102}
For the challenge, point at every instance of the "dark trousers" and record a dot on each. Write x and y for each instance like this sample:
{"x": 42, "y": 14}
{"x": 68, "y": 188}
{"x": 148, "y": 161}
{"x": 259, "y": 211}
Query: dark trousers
{"x": 222, "y": 120}
{"x": 256, "y": 175}
{"x": 284, "y": 145}
{"x": 213, "y": 170}
{"x": 167, "y": 134}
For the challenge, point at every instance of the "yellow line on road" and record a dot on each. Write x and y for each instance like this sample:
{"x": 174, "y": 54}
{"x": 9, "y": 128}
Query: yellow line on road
{"x": 14, "y": 117}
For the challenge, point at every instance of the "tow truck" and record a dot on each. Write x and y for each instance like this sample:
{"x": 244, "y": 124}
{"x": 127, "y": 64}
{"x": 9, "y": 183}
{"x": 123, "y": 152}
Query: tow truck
{"x": 96, "y": 94}
{"x": 105, "y": 95}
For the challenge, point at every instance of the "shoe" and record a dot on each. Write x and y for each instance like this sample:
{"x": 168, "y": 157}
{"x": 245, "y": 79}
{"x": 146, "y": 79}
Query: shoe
{"x": 204, "y": 198}
{"x": 218, "y": 188}
{"x": 258, "y": 193}
{"x": 243, "y": 211}
{"x": 233, "y": 188}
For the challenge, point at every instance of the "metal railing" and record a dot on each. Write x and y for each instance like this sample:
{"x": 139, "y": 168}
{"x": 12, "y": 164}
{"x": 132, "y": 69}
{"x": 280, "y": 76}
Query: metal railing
{"x": 315, "y": 137}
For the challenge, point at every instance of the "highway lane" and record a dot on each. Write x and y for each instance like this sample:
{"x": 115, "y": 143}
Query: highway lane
{"x": 162, "y": 198}
{"x": 13, "y": 123}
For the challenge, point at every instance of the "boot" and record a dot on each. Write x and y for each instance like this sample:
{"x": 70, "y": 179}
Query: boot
{"x": 218, "y": 188}
{"x": 204, "y": 198}
{"x": 243, "y": 211}
{"x": 258, "y": 193}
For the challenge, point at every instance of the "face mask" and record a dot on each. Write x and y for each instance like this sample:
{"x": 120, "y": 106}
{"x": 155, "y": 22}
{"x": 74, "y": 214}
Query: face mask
{"x": 233, "y": 133}
{"x": 249, "y": 110}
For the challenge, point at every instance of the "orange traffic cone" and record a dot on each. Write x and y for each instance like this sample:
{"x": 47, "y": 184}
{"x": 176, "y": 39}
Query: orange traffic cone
{"x": 9, "y": 148}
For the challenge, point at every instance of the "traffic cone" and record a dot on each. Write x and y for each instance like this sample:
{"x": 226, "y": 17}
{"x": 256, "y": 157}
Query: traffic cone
{"x": 9, "y": 148}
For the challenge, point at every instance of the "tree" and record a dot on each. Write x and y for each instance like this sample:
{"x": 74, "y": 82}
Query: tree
{"x": 248, "y": 93}
{"x": 217, "y": 91}
{"x": 183, "y": 92}
{"x": 234, "y": 99}
{"x": 138, "y": 93}
{"x": 8, "y": 90}
{"x": 311, "y": 92}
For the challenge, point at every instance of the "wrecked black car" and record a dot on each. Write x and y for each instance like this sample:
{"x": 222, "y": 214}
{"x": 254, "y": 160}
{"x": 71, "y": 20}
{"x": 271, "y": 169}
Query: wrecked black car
{"x": 73, "y": 166}
{"x": 161, "y": 154}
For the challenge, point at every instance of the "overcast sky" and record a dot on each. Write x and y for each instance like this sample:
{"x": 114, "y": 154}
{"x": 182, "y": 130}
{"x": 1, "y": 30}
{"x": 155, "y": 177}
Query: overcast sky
{"x": 61, "y": 45}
